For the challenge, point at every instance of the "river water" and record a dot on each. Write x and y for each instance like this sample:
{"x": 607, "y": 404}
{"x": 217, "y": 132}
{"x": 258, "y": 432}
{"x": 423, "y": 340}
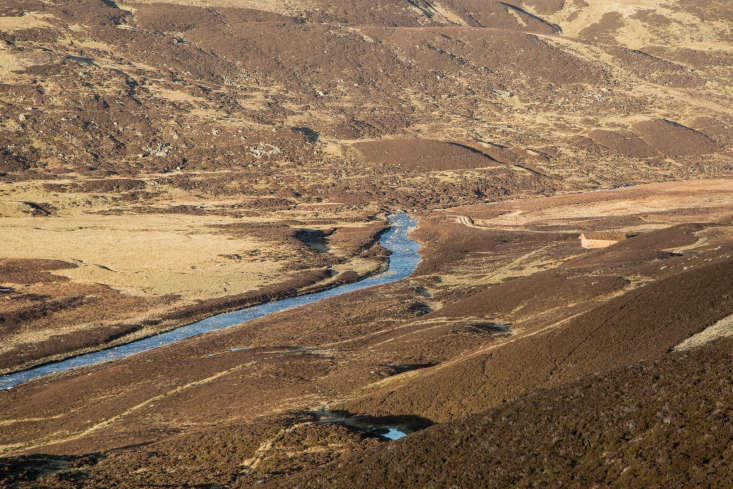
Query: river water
{"x": 402, "y": 262}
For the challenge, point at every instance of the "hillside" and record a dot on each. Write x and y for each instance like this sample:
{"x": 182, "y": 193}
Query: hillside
{"x": 497, "y": 310}
{"x": 634, "y": 427}
{"x": 164, "y": 162}
{"x": 144, "y": 122}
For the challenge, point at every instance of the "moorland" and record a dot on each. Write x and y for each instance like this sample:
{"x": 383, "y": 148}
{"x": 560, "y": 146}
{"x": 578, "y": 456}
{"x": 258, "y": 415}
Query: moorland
{"x": 162, "y": 162}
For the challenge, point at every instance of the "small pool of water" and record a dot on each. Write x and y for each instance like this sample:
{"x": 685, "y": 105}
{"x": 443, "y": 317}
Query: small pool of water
{"x": 403, "y": 260}
{"x": 394, "y": 434}
{"x": 388, "y": 427}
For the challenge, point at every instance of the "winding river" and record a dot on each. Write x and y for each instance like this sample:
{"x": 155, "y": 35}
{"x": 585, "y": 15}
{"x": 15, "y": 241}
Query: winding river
{"x": 402, "y": 262}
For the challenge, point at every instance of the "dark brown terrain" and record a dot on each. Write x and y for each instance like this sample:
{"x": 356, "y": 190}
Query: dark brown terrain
{"x": 163, "y": 162}
{"x": 629, "y": 427}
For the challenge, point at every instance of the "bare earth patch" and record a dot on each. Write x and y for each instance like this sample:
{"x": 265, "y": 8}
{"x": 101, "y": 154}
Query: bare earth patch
{"x": 721, "y": 329}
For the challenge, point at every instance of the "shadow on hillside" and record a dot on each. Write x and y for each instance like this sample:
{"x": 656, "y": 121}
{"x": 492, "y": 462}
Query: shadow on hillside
{"x": 381, "y": 426}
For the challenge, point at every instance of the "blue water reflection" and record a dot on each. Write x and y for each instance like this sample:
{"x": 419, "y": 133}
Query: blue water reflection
{"x": 402, "y": 262}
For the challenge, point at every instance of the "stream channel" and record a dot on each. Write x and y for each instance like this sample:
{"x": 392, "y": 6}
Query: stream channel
{"x": 403, "y": 260}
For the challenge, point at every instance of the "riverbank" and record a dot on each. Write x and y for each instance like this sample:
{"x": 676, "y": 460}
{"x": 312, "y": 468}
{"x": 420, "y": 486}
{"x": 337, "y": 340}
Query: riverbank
{"x": 402, "y": 262}
{"x": 96, "y": 291}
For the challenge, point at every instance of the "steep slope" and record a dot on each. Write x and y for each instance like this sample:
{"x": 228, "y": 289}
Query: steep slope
{"x": 653, "y": 424}
{"x": 642, "y": 324}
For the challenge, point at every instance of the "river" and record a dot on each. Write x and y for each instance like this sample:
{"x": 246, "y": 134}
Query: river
{"x": 403, "y": 260}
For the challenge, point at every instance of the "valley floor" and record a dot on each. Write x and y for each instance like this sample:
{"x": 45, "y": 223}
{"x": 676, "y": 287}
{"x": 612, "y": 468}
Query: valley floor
{"x": 504, "y": 303}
